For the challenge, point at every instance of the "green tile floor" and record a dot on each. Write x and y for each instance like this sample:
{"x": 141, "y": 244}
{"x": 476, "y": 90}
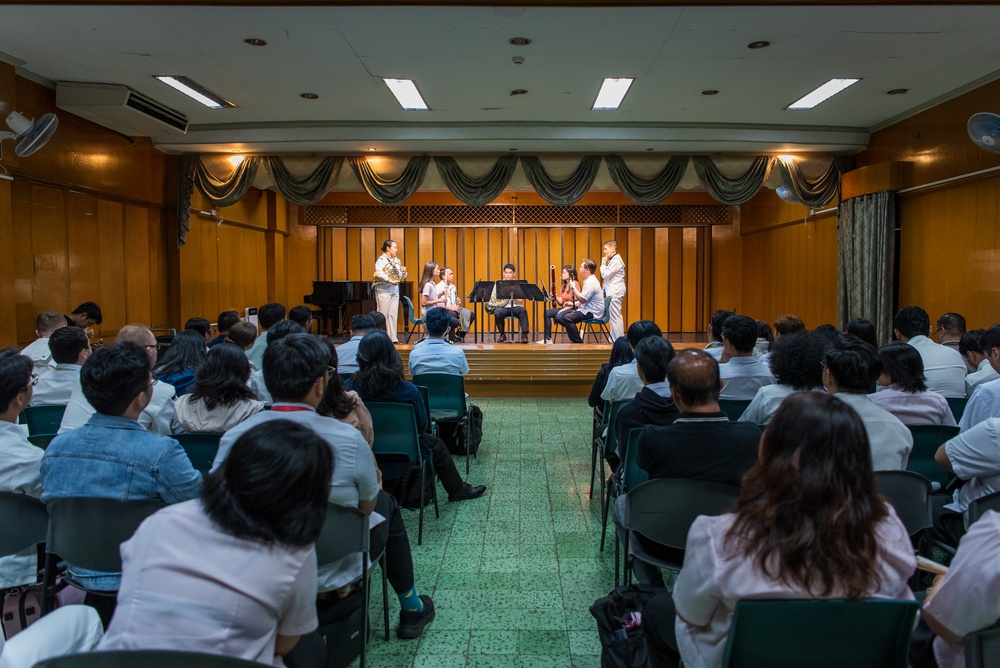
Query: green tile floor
{"x": 513, "y": 573}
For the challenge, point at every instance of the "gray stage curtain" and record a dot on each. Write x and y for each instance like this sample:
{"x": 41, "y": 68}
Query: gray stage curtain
{"x": 815, "y": 194}
{"x": 310, "y": 189}
{"x": 643, "y": 191}
{"x": 392, "y": 191}
{"x": 229, "y": 191}
{"x": 568, "y": 191}
{"x": 733, "y": 191}
{"x": 185, "y": 187}
{"x": 476, "y": 192}
{"x": 866, "y": 272}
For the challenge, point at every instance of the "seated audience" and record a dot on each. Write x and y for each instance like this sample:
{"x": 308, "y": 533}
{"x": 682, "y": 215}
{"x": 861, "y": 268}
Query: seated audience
{"x": 302, "y": 316}
{"x": 973, "y": 456}
{"x": 202, "y": 326}
{"x": 158, "y": 413}
{"x": 244, "y": 335}
{"x": 71, "y": 629}
{"x": 112, "y": 456}
{"x": 765, "y": 339}
{"x": 85, "y": 316}
{"x": 38, "y": 350}
{"x": 714, "y": 346}
{"x": 344, "y": 405}
{"x": 279, "y": 331}
{"x": 985, "y": 399}
{"x": 19, "y": 459}
{"x": 268, "y": 316}
{"x": 220, "y": 398}
{"x": 829, "y": 334}
{"x": 652, "y": 404}
{"x": 621, "y": 353}
{"x": 949, "y": 330}
{"x": 381, "y": 379}
{"x": 864, "y": 330}
{"x": 623, "y": 380}
{"x": 797, "y": 365}
{"x": 970, "y": 347}
{"x": 434, "y": 354}
{"x": 786, "y": 324}
{"x": 380, "y": 322}
{"x": 852, "y": 366}
{"x": 905, "y": 393}
{"x": 297, "y": 372}
{"x": 347, "y": 352}
{"x": 742, "y": 373}
{"x": 809, "y": 524}
{"x": 263, "y": 509}
{"x": 70, "y": 349}
{"x": 225, "y": 323}
{"x": 944, "y": 368}
{"x": 181, "y": 361}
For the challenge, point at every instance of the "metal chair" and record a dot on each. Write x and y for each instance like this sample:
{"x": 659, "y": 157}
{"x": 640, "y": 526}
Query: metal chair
{"x": 26, "y": 523}
{"x": 396, "y": 439}
{"x": 605, "y": 441}
{"x": 910, "y": 495}
{"x": 145, "y": 658}
{"x": 733, "y": 408}
{"x": 345, "y": 532}
{"x": 43, "y": 419}
{"x": 200, "y": 448}
{"x": 587, "y": 326}
{"x": 957, "y": 406}
{"x": 927, "y": 438}
{"x": 620, "y": 482}
{"x": 413, "y": 321}
{"x": 446, "y": 402}
{"x": 982, "y": 649}
{"x": 981, "y": 505}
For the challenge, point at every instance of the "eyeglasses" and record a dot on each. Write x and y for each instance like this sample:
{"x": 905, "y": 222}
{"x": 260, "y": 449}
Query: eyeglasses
{"x": 151, "y": 346}
{"x": 32, "y": 382}
{"x": 154, "y": 382}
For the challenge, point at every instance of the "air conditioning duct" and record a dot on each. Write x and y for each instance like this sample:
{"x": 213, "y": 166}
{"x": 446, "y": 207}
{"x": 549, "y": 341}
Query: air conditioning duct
{"x": 119, "y": 108}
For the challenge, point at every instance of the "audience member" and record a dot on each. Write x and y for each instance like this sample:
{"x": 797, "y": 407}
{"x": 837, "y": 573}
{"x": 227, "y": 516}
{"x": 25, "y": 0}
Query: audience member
{"x": 944, "y": 368}
{"x": 742, "y": 374}
{"x": 864, "y": 330}
{"x": 984, "y": 402}
{"x": 797, "y": 365}
{"x": 623, "y": 380}
{"x": 809, "y": 524}
{"x": 621, "y": 353}
{"x": 19, "y": 459}
{"x": 970, "y": 347}
{"x": 244, "y": 335}
{"x": 381, "y": 379}
{"x": 220, "y": 397}
{"x": 225, "y": 323}
{"x": 906, "y": 395}
{"x": 343, "y": 405}
{"x": 852, "y": 366}
{"x": 38, "y": 350}
{"x": 787, "y": 324}
{"x": 303, "y": 316}
{"x": 652, "y": 404}
{"x": 828, "y": 333}
{"x": 181, "y": 361}
{"x": 263, "y": 510}
{"x": 279, "y": 331}
{"x": 589, "y": 302}
{"x": 297, "y": 371}
{"x": 70, "y": 349}
{"x": 973, "y": 456}
{"x": 380, "y": 322}
{"x": 765, "y": 339}
{"x": 714, "y": 346}
{"x": 949, "y": 330}
{"x": 434, "y": 354}
{"x": 268, "y": 315}
{"x": 158, "y": 413}
{"x": 85, "y": 316}
{"x": 71, "y": 629}
{"x": 347, "y": 352}
{"x": 202, "y": 326}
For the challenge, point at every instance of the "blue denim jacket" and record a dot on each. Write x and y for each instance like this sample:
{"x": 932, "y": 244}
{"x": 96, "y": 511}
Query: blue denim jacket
{"x": 116, "y": 458}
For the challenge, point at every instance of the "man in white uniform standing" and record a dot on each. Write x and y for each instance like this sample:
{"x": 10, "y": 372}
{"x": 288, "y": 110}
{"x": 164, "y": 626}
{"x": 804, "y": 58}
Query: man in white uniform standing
{"x": 389, "y": 271}
{"x": 613, "y": 274}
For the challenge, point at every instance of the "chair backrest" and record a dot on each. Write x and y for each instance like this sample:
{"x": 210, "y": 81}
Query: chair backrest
{"x": 445, "y": 393}
{"x": 200, "y": 448}
{"x": 410, "y": 312}
{"x": 145, "y": 658}
{"x": 395, "y": 428}
{"x": 87, "y": 531}
{"x": 927, "y": 438}
{"x": 344, "y": 532}
{"x": 611, "y": 418}
{"x": 957, "y": 406}
{"x": 25, "y": 522}
{"x": 426, "y": 396}
{"x": 733, "y": 408}
{"x": 43, "y": 419}
{"x": 982, "y": 504}
{"x": 663, "y": 509}
{"x": 633, "y": 475}
{"x": 787, "y": 633}
{"x": 982, "y": 649}
{"x": 910, "y": 495}
{"x": 41, "y": 440}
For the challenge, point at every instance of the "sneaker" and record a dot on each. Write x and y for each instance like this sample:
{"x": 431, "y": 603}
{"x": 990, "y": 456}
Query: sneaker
{"x": 467, "y": 491}
{"x": 543, "y": 342}
{"x": 411, "y": 624}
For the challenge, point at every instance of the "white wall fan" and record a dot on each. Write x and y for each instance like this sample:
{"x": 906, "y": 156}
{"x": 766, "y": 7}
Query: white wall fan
{"x": 31, "y": 135}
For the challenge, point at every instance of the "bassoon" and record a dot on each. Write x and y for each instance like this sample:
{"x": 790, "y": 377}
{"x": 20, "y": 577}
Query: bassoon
{"x": 552, "y": 271}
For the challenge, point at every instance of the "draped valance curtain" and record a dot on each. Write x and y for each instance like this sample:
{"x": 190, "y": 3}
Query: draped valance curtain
{"x": 722, "y": 184}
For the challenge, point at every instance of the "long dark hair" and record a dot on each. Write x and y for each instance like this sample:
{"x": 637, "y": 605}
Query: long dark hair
{"x": 863, "y": 329}
{"x": 808, "y": 508}
{"x": 222, "y": 379}
{"x": 335, "y": 402}
{"x": 186, "y": 351}
{"x": 904, "y": 366}
{"x": 273, "y": 486}
{"x": 427, "y": 276}
{"x": 621, "y": 353}
{"x": 380, "y": 368}
{"x": 572, "y": 276}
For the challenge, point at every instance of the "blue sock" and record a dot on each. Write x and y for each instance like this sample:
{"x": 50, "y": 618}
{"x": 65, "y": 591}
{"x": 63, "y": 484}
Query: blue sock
{"x": 410, "y": 601}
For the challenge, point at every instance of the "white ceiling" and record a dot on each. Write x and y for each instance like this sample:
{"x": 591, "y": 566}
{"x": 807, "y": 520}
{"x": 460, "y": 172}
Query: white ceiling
{"x": 461, "y": 61}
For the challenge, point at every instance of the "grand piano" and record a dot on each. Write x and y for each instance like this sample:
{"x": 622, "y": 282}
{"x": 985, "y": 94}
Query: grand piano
{"x": 335, "y": 301}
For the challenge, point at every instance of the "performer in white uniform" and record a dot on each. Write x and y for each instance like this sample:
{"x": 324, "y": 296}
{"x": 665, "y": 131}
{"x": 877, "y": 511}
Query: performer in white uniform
{"x": 389, "y": 271}
{"x": 613, "y": 275}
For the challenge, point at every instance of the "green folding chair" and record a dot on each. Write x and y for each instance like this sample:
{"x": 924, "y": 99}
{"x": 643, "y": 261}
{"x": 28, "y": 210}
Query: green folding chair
{"x": 979, "y": 506}
{"x": 26, "y": 523}
{"x": 145, "y": 658}
{"x": 606, "y": 441}
{"x": 927, "y": 438}
{"x": 734, "y": 408}
{"x": 200, "y": 448}
{"x": 414, "y": 321}
{"x": 833, "y": 633}
{"x": 41, "y": 440}
{"x": 910, "y": 496}
{"x": 982, "y": 649}
{"x": 43, "y": 419}
{"x": 957, "y": 406}
{"x": 620, "y": 483}
{"x": 446, "y": 403}
{"x": 587, "y": 326}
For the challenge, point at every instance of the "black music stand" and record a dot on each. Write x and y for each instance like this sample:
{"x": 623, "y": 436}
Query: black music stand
{"x": 520, "y": 289}
{"x": 480, "y": 294}
{"x": 535, "y": 294}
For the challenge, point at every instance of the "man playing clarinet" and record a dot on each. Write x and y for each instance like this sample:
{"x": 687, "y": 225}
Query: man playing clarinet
{"x": 590, "y": 302}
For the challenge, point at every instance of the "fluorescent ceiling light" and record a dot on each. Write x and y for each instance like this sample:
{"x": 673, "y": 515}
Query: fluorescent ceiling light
{"x": 824, "y": 92}
{"x": 196, "y": 91}
{"x": 612, "y": 93}
{"x": 406, "y": 94}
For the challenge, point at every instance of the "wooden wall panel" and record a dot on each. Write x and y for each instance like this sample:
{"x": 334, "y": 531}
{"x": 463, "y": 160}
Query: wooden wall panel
{"x": 112, "y": 267}
{"x": 161, "y": 238}
{"x": 137, "y": 270}
{"x": 8, "y": 252}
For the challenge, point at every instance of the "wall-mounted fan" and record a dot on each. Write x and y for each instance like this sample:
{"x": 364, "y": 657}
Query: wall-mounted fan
{"x": 30, "y": 135}
{"x": 984, "y": 130}
{"x": 785, "y": 193}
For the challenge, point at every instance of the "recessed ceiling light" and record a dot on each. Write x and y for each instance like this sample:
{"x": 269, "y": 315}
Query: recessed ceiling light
{"x": 406, "y": 94}
{"x": 758, "y": 45}
{"x": 512, "y": 149}
{"x": 710, "y": 92}
{"x": 649, "y": 149}
{"x": 519, "y": 91}
{"x": 371, "y": 148}
{"x": 308, "y": 96}
{"x": 254, "y": 41}
{"x": 612, "y": 93}
{"x": 898, "y": 91}
{"x": 519, "y": 41}
{"x": 195, "y": 91}
{"x": 824, "y": 92}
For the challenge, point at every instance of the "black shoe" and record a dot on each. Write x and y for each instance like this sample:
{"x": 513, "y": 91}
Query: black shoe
{"x": 411, "y": 624}
{"x": 503, "y": 338}
{"x": 467, "y": 491}
{"x": 524, "y": 338}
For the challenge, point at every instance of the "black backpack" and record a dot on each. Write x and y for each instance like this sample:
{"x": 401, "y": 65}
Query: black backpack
{"x": 621, "y": 648}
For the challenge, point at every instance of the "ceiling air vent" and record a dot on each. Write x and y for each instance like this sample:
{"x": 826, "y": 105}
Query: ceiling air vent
{"x": 120, "y": 109}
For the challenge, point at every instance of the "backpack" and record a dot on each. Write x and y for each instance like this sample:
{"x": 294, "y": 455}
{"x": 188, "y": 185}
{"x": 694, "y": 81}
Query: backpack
{"x": 621, "y": 648}
{"x": 454, "y": 436}
{"x": 22, "y": 606}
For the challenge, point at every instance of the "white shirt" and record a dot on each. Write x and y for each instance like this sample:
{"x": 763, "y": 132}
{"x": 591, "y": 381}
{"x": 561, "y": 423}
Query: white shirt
{"x": 613, "y": 273}
{"x": 592, "y": 297}
{"x": 258, "y": 386}
{"x": 437, "y": 356}
{"x": 914, "y": 407}
{"x": 714, "y": 348}
{"x": 975, "y": 457}
{"x": 983, "y": 374}
{"x": 742, "y": 377}
{"x": 765, "y": 403}
{"x": 430, "y": 292}
{"x": 623, "y": 383}
{"x": 944, "y": 367}
{"x": 984, "y": 403}
{"x": 256, "y": 352}
{"x": 20, "y": 462}
{"x": 889, "y": 439}
{"x": 56, "y": 386}
{"x": 347, "y": 355}
{"x": 156, "y": 417}
{"x": 41, "y": 356}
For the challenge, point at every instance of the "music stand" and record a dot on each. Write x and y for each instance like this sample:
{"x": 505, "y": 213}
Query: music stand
{"x": 519, "y": 289}
{"x": 480, "y": 294}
